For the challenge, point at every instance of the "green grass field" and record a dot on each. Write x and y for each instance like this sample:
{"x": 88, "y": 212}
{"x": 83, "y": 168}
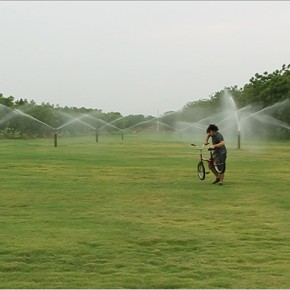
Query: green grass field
{"x": 132, "y": 213}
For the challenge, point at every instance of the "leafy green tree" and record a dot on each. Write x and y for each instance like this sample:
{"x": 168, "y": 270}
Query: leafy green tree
{"x": 8, "y": 102}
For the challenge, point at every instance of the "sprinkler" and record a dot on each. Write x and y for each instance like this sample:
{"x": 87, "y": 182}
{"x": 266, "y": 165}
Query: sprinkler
{"x": 55, "y": 139}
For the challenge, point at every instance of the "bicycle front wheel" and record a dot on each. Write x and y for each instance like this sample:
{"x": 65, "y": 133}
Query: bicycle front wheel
{"x": 201, "y": 170}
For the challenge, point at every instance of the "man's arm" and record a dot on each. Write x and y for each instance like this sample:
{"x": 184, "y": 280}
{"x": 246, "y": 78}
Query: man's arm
{"x": 206, "y": 139}
{"x": 222, "y": 143}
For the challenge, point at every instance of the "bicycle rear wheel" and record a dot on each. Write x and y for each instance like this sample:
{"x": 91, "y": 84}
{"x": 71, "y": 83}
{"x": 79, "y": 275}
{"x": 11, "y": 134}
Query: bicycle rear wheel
{"x": 219, "y": 167}
{"x": 201, "y": 170}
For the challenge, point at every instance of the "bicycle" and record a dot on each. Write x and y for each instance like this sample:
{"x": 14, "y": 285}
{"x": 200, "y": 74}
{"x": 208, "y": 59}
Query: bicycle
{"x": 213, "y": 164}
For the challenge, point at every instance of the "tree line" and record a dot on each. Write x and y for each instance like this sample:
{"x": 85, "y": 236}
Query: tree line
{"x": 26, "y": 119}
{"x": 263, "y": 92}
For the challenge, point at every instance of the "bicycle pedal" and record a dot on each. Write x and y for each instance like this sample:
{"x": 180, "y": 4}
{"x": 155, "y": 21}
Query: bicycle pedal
{"x": 207, "y": 172}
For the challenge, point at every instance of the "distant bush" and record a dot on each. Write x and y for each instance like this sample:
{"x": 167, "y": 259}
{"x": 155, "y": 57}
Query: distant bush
{"x": 10, "y": 133}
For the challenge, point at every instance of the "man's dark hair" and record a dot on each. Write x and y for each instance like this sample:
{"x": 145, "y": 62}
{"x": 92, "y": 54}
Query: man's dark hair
{"x": 212, "y": 127}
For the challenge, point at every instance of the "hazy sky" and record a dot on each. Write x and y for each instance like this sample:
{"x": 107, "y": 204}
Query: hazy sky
{"x": 137, "y": 57}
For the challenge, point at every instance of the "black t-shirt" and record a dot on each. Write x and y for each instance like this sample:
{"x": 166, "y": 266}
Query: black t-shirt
{"x": 217, "y": 138}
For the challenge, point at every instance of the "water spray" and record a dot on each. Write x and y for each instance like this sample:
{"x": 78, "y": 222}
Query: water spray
{"x": 157, "y": 121}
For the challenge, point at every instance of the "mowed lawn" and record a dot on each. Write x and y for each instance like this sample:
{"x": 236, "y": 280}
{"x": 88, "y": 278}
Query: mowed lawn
{"x": 132, "y": 213}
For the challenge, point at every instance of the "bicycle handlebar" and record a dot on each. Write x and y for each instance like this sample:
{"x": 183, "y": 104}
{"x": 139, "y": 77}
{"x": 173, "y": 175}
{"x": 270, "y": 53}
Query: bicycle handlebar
{"x": 197, "y": 146}
{"x": 201, "y": 147}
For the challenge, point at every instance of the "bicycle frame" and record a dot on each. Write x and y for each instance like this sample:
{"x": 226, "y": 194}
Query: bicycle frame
{"x": 210, "y": 162}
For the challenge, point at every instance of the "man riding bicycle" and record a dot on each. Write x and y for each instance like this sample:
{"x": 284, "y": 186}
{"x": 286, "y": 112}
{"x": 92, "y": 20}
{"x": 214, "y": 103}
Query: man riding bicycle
{"x": 220, "y": 151}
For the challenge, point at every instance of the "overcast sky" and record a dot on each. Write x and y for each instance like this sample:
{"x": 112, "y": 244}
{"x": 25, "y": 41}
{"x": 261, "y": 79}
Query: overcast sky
{"x": 137, "y": 57}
